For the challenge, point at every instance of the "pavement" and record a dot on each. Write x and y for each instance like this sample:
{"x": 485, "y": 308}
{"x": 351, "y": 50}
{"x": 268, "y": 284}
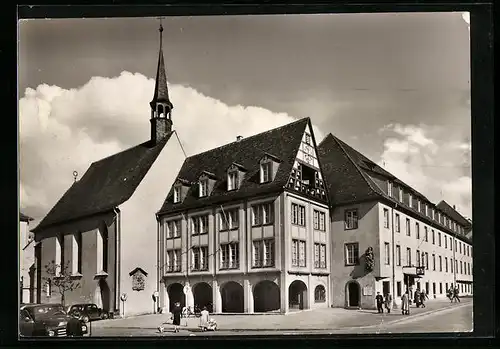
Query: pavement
{"x": 326, "y": 320}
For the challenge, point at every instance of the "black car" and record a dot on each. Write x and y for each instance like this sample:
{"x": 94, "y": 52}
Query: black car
{"x": 87, "y": 312}
{"x": 46, "y": 320}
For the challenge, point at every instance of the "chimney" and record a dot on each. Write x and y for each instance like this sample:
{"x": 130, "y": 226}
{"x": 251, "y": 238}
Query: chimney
{"x": 238, "y": 138}
{"x": 454, "y": 207}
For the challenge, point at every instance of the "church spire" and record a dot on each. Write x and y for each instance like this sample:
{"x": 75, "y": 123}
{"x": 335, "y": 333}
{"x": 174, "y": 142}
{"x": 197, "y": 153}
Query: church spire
{"x": 161, "y": 107}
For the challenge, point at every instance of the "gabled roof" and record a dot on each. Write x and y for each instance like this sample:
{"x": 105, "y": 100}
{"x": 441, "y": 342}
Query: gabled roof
{"x": 24, "y": 218}
{"x": 453, "y": 214}
{"x": 247, "y": 152}
{"x": 106, "y": 184}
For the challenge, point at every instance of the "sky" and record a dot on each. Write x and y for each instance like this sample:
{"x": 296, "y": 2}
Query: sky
{"x": 396, "y": 87}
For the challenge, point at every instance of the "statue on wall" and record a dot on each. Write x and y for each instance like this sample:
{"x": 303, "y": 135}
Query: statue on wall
{"x": 370, "y": 260}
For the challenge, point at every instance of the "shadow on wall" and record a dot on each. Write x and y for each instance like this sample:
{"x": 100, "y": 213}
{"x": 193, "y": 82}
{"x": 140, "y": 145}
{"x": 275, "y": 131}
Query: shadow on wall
{"x": 359, "y": 270}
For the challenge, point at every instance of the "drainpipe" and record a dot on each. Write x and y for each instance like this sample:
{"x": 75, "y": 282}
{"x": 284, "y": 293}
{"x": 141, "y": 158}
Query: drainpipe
{"x": 393, "y": 258}
{"x": 158, "y": 263}
{"x": 455, "y": 264}
{"x": 117, "y": 256}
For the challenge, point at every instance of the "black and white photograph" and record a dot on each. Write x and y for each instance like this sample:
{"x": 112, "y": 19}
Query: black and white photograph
{"x": 193, "y": 176}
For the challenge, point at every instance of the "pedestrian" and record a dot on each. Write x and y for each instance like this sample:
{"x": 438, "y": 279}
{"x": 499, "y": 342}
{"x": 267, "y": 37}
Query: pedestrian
{"x": 74, "y": 325}
{"x": 455, "y": 294}
{"x": 388, "y": 303}
{"x": 204, "y": 319}
{"x": 422, "y": 296}
{"x": 416, "y": 297}
{"x": 176, "y": 313}
{"x": 405, "y": 304}
{"x": 380, "y": 302}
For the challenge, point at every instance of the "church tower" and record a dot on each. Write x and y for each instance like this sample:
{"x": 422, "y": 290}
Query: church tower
{"x": 161, "y": 107}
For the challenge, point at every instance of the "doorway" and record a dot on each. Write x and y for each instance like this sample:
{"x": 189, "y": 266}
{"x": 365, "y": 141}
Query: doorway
{"x": 386, "y": 288}
{"x": 353, "y": 294}
{"x": 297, "y": 295}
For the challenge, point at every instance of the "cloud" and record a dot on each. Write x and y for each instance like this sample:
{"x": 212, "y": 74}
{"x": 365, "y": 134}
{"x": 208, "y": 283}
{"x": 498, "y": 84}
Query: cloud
{"x": 62, "y": 130}
{"x": 431, "y": 162}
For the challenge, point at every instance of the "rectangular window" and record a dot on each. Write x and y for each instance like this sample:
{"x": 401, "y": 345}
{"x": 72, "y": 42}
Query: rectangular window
{"x": 203, "y": 186}
{"x": 397, "y": 224}
{"x": 445, "y": 241}
{"x": 433, "y": 262}
{"x": 426, "y": 260}
{"x": 351, "y": 253}
{"x": 417, "y": 255}
{"x": 351, "y": 219}
{"x": 177, "y": 194}
{"x": 433, "y": 237}
{"x": 432, "y": 213}
{"x": 319, "y": 220}
{"x": 319, "y": 255}
{"x": 433, "y": 288}
{"x": 386, "y": 218}
{"x": 232, "y": 180}
{"x": 400, "y": 194}
{"x": 410, "y": 200}
{"x": 451, "y": 265}
{"x": 426, "y": 210}
{"x": 389, "y": 188}
{"x": 408, "y": 257}
{"x": 200, "y": 258}
{"x": 460, "y": 245}
{"x": 440, "y": 288}
{"x": 173, "y": 229}
{"x": 417, "y": 230}
{"x": 426, "y": 234}
{"x": 77, "y": 253}
{"x": 229, "y": 219}
{"x": 59, "y": 260}
{"x": 446, "y": 264}
{"x": 398, "y": 289}
{"x": 263, "y": 253}
{"x": 230, "y": 256}
{"x": 439, "y": 239}
{"x": 455, "y": 245}
{"x": 199, "y": 225}
{"x": 387, "y": 253}
{"x": 398, "y": 255}
{"x": 262, "y": 214}
{"x": 298, "y": 253}
{"x": 440, "y": 263}
{"x": 265, "y": 172}
{"x": 408, "y": 230}
{"x": 418, "y": 205}
{"x": 174, "y": 261}
{"x": 461, "y": 270}
{"x": 298, "y": 215}
{"x": 308, "y": 138}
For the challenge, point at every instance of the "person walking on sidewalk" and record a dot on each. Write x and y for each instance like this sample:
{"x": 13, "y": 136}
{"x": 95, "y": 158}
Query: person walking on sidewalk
{"x": 422, "y": 296}
{"x": 380, "y": 302}
{"x": 176, "y": 312}
{"x": 388, "y": 302}
{"x": 204, "y": 319}
{"x": 455, "y": 294}
{"x": 416, "y": 297}
{"x": 405, "y": 304}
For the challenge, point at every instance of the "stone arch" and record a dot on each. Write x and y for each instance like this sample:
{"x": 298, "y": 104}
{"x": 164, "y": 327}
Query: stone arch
{"x": 104, "y": 295}
{"x": 176, "y": 294}
{"x": 202, "y": 293}
{"x": 266, "y": 296}
{"x": 320, "y": 293}
{"x": 297, "y": 295}
{"x": 232, "y": 295}
{"x": 353, "y": 294}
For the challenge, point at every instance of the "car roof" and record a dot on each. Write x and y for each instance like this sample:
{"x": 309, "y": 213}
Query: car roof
{"x": 32, "y": 305}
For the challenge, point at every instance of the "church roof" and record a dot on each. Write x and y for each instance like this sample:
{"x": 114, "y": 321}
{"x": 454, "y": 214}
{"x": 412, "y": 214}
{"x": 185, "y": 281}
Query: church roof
{"x": 105, "y": 185}
{"x": 24, "y": 218}
{"x": 161, "y": 88}
{"x": 283, "y": 141}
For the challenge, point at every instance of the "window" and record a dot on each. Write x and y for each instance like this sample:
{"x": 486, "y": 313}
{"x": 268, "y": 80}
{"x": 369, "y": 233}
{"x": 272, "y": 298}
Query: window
{"x": 265, "y": 172}
{"x": 401, "y": 194}
{"x": 177, "y": 194}
{"x": 174, "y": 261}
{"x": 426, "y": 210}
{"x": 308, "y": 139}
{"x": 446, "y": 265}
{"x": 440, "y": 288}
{"x": 351, "y": 253}
{"x": 48, "y": 289}
{"x": 418, "y": 205}
{"x": 451, "y": 265}
{"x": 203, "y": 186}
{"x": 173, "y": 229}
{"x": 398, "y": 288}
{"x": 389, "y": 188}
{"x": 319, "y": 220}
{"x": 77, "y": 253}
{"x": 439, "y": 239}
{"x": 229, "y": 219}
{"x": 386, "y": 218}
{"x": 298, "y": 215}
{"x": 59, "y": 260}
{"x": 460, "y": 245}
{"x": 455, "y": 245}
{"x": 351, "y": 219}
{"x": 398, "y": 255}
{"x": 440, "y": 263}
{"x": 230, "y": 256}
{"x": 417, "y": 230}
{"x": 410, "y": 200}
{"x": 426, "y": 260}
{"x": 298, "y": 253}
{"x": 199, "y": 225}
{"x": 426, "y": 234}
{"x": 263, "y": 253}
{"x": 408, "y": 257}
{"x": 396, "y": 223}
{"x": 408, "y": 231}
{"x": 445, "y": 241}
{"x": 418, "y": 258}
{"x": 232, "y": 180}
{"x": 262, "y": 214}
{"x": 433, "y": 262}
{"x": 433, "y": 288}
{"x": 432, "y": 213}
{"x": 433, "y": 237}
{"x": 200, "y": 258}
{"x": 461, "y": 270}
{"x": 319, "y": 294}
{"x": 387, "y": 253}
{"x": 319, "y": 255}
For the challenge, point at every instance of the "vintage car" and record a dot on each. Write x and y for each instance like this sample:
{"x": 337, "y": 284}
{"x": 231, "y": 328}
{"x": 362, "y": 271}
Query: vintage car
{"x": 42, "y": 320}
{"x": 87, "y": 312}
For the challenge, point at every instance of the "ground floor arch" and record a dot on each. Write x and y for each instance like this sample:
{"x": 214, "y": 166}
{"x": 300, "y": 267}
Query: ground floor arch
{"x": 176, "y": 294}
{"x": 232, "y": 296}
{"x": 353, "y": 294}
{"x": 105, "y": 295}
{"x": 203, "y": 294}
{"x": 297, "y": 295}
{"x": 266, "y": 296}
{"x": 320, "y": 294}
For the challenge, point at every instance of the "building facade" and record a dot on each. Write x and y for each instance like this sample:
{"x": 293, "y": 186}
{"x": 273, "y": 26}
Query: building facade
{"x": 27, "y": 281}
{"x": 245, "y": 227}
{"x": 413, "y": 243}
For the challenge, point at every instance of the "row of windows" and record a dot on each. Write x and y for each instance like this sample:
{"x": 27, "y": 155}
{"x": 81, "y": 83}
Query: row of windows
{"x": 299, "y": 255}
{"x": 298, "y": 217}
{"x": 464, "y": 288}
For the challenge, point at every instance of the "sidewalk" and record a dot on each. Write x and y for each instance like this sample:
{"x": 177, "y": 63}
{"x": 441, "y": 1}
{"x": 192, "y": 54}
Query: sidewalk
{"x": 318, "y": 319}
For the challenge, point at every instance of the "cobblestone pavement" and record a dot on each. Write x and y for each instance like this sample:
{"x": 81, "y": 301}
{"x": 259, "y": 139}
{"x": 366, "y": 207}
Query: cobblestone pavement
{"x": 327, "y": 319}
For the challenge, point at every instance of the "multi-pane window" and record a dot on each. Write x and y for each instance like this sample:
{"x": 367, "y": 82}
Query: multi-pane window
{"x": 229, "y": 219}
{"x": 298, "y": 253}
{"x": 426, "y": 260}
{"x": 319, "y": 294}
{"x": 426, "y": 234}
{"x": 232, "y": 180}
{"x": 408, "y": 257}
{"x": 386, "y": 218}
{"x": 203, "y": 187}
{"x": 265, "y": 172}
{"x": 298, "y": 214}
{"x": 319, "y": 220}
{"x": 439, "y": 239}
{"x": 173, "y": 228}
{"x": 433, "y": 237}
{"x": 199, "y": 260}
{"x": 408, "y": 231}
{"x": 433, "y": 261}
{"x": 199, "y": 225}
{"x": 397, "y": 225}
{"x": 398, "y": 255}
{"x": 263, "y": 253}
{"x": 440, "y": 263}
{"x": 319, "y": 255}
{"x": 389, "y": 188}
{"x": 446, "y": 264}
{"x": 230, "y": 256}
{"x": 418, "y": 258}
{"x": 177, "y": 194}
{"x": 417, "y": 230}
{"x": 387, "y": 253}
{"x": 445, "y": 241}
{"x": 262, "y": 214}
{"x": 351, "y": 253}
{"x": 351, "y": 219}
{"x": 174, "y": 261}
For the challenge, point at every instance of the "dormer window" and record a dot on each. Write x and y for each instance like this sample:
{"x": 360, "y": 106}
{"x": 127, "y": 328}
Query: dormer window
{"x": 401, "y": 194}
{"x": 203, "y": 187}
{"x": 265, "y": 171}
{"x": 235, "y": 174}
{"x": 389, "y": 188}
{"x": 410, "y": 200}
{"x": 418, "y": 205}
{"x": 426, "y": 210}
{"x": 177, "y": 194}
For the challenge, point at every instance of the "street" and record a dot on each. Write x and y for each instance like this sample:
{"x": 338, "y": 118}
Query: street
{"x": 437, "y": 317}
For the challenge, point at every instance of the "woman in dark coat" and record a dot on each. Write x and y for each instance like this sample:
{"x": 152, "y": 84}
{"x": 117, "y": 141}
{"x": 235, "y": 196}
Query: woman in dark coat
{"x": 176, "y": 312}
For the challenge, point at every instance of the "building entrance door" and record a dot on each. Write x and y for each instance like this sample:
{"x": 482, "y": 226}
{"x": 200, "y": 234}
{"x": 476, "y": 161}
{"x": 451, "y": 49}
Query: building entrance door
{"x": 386, "y": 288}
